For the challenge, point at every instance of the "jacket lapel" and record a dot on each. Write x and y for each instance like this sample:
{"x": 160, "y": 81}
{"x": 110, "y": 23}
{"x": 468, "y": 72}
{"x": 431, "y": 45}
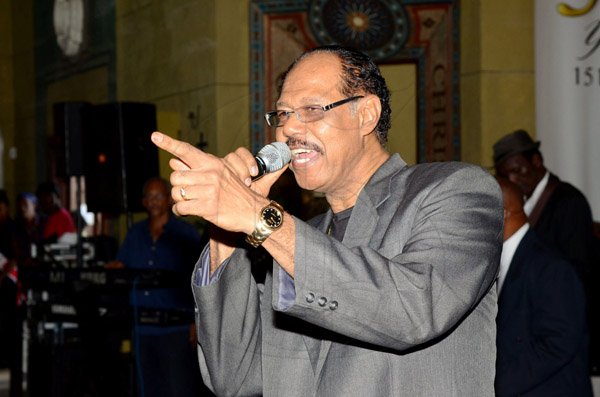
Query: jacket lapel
{"x": 512, "y": 283}
{"x": 361, "y": 229}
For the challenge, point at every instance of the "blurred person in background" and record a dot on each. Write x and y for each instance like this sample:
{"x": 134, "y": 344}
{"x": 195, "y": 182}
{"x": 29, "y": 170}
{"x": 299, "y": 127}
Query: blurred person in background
{"x": 27, "y": 222}
{"x": 559, "y": 213}
{"x": 56, "y": 221}
{"x": 165, "y": 353}
{"x": 27, "y": 238}
{"x": 542, "y": 337}
{"x": 8, "y": 283}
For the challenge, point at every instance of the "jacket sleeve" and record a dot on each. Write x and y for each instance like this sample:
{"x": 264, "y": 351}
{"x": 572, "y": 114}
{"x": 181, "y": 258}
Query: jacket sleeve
{"x": 435, "y": 261}
{"x": 229, "y": 329}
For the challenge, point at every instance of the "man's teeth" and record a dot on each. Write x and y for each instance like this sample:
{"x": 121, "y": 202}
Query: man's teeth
{"x": 300, "y": 151}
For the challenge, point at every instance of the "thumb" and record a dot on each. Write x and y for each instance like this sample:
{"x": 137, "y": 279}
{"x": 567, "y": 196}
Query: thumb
{"x": 264, "y": 184}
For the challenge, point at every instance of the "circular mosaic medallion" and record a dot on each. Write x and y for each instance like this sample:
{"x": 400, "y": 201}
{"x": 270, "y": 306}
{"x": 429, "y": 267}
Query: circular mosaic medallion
{"x": 377, "y": 27}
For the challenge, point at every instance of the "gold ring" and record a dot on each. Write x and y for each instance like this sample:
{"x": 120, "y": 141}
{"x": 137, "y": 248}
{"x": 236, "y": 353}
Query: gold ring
{"x": 182, "y": 192}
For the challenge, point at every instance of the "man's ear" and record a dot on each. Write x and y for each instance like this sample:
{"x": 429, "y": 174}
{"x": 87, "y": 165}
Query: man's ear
{"x": 370, "y": 111}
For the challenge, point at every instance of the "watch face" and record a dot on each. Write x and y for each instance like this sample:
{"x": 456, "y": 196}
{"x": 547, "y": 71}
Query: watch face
{"x": 273, "y": 217}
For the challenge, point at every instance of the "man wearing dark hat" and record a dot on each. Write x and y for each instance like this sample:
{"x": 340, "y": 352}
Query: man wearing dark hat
{"x": 558, "y": 212}
{"x": 542, "y": 339}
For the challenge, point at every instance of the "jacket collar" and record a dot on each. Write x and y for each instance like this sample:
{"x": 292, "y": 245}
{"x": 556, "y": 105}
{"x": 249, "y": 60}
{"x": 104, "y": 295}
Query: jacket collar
{"x": 364, "y": 216}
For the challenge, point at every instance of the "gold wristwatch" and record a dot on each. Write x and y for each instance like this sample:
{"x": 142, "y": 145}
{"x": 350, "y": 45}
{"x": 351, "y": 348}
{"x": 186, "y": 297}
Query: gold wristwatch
{"x": 270, "y": 219}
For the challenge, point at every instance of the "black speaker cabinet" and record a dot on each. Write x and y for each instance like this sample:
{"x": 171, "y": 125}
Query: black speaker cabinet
{"x": 119, "y": 156}
{"x": 68, "y": 134}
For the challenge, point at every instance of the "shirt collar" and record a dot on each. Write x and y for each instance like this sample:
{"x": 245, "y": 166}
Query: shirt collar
{"x": 509, "y": 247}
{"x": 537, "y": 193}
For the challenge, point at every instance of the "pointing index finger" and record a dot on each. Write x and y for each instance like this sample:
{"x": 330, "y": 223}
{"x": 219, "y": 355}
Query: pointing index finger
{"x": 187, "y": 153}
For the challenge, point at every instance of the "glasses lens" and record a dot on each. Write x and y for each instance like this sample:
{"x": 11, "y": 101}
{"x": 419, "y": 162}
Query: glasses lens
{"x": 308, "y": 114}
{"x": 272, "y": 119}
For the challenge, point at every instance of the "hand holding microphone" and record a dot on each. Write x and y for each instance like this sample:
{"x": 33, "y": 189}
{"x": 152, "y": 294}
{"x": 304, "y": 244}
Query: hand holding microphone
{"x": 272, "y": 157}
{"x": 222, "y": 190}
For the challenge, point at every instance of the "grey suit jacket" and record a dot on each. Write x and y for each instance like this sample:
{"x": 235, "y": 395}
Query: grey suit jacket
{"x": 401, "y": 307}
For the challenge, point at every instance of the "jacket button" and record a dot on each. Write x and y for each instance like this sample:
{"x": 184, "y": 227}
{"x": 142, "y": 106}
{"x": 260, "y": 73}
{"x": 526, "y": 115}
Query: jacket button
{"x": 310, "y": 297}
{"x": 333, "y": 305}
{"x": 322, "y": 301}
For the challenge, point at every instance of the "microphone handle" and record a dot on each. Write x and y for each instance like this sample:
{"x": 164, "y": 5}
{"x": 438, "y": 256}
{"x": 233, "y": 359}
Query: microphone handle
{"x": 262, "y": 168}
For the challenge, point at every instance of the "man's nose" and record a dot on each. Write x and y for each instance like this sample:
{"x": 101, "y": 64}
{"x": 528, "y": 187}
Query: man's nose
{"x": 293, "y": 126}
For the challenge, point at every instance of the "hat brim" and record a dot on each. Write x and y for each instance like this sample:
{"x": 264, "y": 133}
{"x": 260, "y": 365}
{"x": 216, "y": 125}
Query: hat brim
{"x": 500, "y": 158}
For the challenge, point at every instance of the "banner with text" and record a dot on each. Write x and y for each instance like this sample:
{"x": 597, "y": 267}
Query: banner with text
{"x": 567, "y": 67}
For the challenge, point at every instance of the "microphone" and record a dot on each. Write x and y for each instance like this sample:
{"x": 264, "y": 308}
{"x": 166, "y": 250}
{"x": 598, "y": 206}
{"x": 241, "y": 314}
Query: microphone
{"x": 272, "y": 157}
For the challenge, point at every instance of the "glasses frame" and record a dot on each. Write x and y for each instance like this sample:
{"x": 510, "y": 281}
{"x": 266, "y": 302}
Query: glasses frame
{"x": 325, "y": 108}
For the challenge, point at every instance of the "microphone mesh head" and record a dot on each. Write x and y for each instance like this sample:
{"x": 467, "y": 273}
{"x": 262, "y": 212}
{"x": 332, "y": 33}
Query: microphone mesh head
{"x": 275, "y": 155}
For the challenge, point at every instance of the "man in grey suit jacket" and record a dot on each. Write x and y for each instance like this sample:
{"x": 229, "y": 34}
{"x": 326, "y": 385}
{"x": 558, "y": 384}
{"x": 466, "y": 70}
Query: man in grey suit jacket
{"x": 387, "y": 294}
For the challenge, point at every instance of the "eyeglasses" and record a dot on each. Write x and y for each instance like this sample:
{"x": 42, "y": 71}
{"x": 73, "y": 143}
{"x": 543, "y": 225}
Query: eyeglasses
{"x": 306, "y": 114}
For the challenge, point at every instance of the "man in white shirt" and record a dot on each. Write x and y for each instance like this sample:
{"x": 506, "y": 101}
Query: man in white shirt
{"x": 557, "y": 211}
{"x": 541, "y": 327}
{"x": 560, "y": 215}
